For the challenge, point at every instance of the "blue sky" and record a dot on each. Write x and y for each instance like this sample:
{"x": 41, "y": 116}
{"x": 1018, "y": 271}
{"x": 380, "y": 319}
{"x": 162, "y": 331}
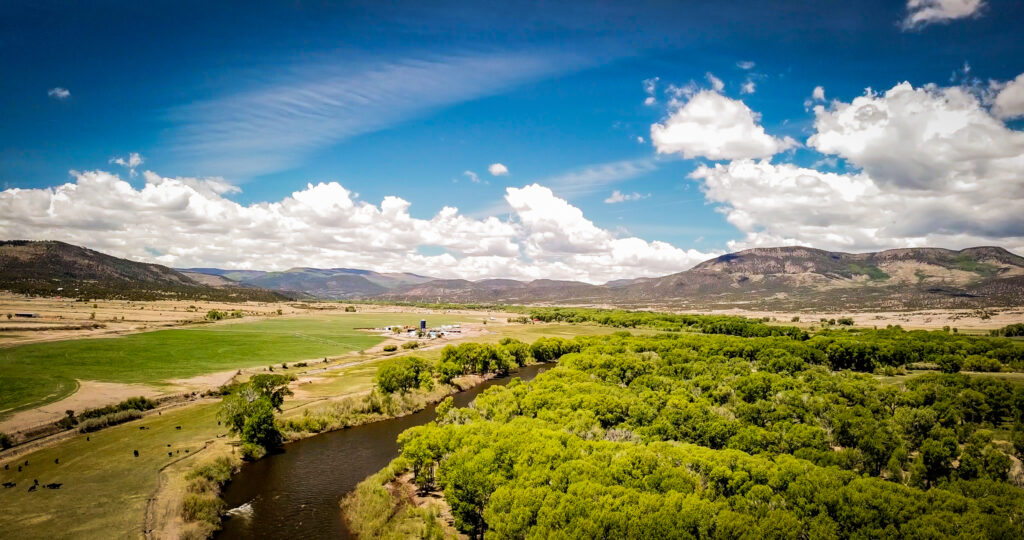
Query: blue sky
{"x": 401, "y": 99}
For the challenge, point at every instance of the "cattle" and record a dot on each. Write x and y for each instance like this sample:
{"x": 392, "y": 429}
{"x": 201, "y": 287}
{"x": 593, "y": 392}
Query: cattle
{"x": 9, "y": 484}
{"x": 177, "y": 427}
{"x": 169, "y": 454}
{"x": 31, "y": 488}
{"x": 7, "y": 466}
{"x": 56, "y": 461}
{"x": 54, "y": 485}
{"x": 136, "y": 453}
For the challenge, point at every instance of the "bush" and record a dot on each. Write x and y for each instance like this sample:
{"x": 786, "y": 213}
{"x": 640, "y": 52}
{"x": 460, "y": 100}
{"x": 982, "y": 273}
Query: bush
{"x": 252, "y": 451}
{"x": 107, "y": 420}
{"x": 136, "y": 403}
{"x": 350, "y": 309}
{"x": 795, "y": 318}
{"x": 215, "y": 315}
{"x": 201, "y": 507}
{"x": 5, "y": 441}
{"x": 390, "y": 348}
{"x": 411, "y": 345}
{"x": 844, "y": 321}
{"x": 1010, "y": 330}
{"x": 977, "y": 362}
{"x": 949, "y": 363}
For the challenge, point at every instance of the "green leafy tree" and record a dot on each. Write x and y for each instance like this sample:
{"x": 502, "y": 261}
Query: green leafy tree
{"x": 249, "y": 409}
{"x": 949, "y": 363}
{"x": 402, "y": 374}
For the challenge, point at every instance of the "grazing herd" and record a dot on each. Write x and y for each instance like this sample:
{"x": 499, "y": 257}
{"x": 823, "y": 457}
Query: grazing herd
{"x": 57, "y": 485}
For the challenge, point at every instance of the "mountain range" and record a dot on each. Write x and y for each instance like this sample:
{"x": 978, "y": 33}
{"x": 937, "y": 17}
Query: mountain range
{"x": 760, "y": 278}
{"x": 49, "y": 268}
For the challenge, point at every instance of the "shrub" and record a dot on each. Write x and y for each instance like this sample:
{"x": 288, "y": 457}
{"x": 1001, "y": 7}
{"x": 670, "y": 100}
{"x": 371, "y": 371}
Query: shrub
{"x": 5, "y": 441}
{"x": 69, "y": 421}
{"x": 949, "y": 363}
{"x": 107, "y": 420}
{"x": 202, "y": 507}
{"x": 844, "y": 321}
{"x": 796, "y": 318}
{"x": 390, "y": 348}
{"x": 252, "y": 451}
{"x": 977, "y": 362}
{"x": 411, "y": 345}
{"x": 136, "y": 403}
{"x": 350, "y": 309}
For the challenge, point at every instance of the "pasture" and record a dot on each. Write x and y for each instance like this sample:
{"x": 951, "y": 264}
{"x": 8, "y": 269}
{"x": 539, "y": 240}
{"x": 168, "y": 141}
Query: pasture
{"x": 105, "y": 488}
{"x": 40, "y": 373}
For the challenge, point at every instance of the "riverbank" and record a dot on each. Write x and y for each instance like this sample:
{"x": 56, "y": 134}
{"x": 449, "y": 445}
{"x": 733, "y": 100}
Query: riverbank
{"x": 389, "y": 505}
{"x": 164, "y": 516}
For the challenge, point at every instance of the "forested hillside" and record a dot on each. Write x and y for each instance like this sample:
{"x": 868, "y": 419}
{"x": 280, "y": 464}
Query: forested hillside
{"x": 680, "y": 435}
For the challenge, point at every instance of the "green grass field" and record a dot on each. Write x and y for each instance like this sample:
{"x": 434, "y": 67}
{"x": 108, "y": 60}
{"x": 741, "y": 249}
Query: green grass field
{"x": 105, "y": 488}
{"x": 36, "y": 374}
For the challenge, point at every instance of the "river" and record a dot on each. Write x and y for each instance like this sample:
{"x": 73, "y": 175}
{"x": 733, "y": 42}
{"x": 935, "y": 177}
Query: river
{"x": 296, "y": 493}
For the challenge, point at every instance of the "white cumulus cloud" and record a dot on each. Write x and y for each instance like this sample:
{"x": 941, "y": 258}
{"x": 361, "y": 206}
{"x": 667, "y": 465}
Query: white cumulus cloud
{"x": 935, "y": 169}
{"x": 924, "y": 138}
{"x": 1009, "y": 102}
{"x": 716, "y": 127}
{"x": 190, "y": 222}
{"x": 924, "y": 12}
{"x": 497, "y": 169}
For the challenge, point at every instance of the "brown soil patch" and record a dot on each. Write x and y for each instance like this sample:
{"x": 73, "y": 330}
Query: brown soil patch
{"x": 90, "y": 394}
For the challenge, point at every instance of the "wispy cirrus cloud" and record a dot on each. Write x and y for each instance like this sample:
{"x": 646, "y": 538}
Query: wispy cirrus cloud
{"x": 594, "y": 178}
{"x": 280, "y": 121}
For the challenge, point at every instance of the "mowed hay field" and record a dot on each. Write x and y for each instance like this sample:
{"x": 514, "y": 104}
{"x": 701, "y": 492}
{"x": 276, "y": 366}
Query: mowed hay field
{"x": 37, "y": 374}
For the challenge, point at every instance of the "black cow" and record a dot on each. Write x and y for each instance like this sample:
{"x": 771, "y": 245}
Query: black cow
{"x": 136, "y": 453}
{"x": 9, "y": 484}
{"x": 54, "y": 485}
{"x": 32, "y": 488}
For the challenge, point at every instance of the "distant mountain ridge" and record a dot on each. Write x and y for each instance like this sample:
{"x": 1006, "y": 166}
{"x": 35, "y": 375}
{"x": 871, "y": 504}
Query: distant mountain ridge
{"x": 58, "y": 269}
{"x": 760, "y": 278}
{"x": 325, "y": 283}
{"x": 775, "y": 278}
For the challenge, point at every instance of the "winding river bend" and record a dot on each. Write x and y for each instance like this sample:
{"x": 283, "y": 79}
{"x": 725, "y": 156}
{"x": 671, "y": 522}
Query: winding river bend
{"x": 296, "y": 494}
